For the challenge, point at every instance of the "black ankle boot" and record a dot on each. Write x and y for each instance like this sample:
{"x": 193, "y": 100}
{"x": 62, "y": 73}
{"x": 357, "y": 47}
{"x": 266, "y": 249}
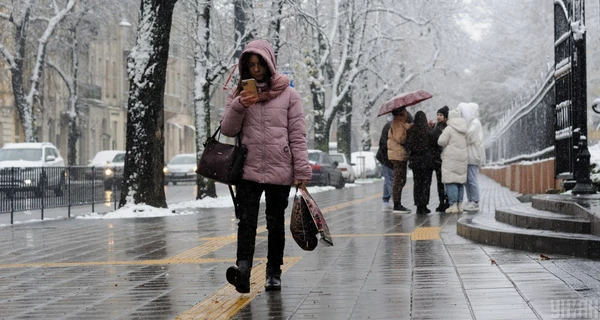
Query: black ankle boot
{"x": 273, "y": 280}
{"x": 239, "y": 276}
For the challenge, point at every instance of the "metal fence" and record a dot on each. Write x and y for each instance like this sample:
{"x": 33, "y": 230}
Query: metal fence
{"x": 527, "y": 133}
{"x": 40, "y": 188}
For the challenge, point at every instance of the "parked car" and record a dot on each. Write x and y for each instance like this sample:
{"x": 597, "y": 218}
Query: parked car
{"x": 182, "y": 167}
{"x": 345, "y": 166}
{"x": 31, "y": 166}
{"x": 325, "y": 172}
{"x": 365, "y": 164}
{"x": 109, "y": 165}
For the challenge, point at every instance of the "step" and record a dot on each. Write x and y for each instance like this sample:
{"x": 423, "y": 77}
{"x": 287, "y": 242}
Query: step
{"x": 525, "y": 216}
{"x": 485, "y": 229}
{"x": 566, "y": 204}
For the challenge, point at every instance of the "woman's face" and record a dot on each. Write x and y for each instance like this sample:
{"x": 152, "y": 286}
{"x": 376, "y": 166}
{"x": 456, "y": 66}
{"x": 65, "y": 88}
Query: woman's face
{"x": 257, "y": 70}
{"x": 441, "y": 118}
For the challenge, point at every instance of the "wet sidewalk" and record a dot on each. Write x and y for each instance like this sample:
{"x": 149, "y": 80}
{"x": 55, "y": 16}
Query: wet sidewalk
{"x": 382, "y": 266}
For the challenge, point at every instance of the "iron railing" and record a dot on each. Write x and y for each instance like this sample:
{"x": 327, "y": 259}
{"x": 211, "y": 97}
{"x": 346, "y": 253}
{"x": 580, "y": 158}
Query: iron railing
{"x": 526, "y": 133}
{"x": 40, "y": 188}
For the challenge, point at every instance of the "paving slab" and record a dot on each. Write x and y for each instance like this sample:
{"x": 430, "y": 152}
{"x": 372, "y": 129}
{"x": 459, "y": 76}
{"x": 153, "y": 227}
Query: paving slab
{"x": 382, "y": 266}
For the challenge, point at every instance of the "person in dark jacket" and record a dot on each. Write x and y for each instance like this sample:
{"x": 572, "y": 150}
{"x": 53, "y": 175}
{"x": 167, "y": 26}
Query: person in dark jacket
{"x": 420, "y": 146}
{"x": 386, "y": 166}
{"x": 442, "y": 117}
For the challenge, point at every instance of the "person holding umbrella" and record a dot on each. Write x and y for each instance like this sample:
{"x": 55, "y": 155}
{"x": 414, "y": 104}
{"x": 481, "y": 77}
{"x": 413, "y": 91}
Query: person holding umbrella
{"x": 398, "y": 155}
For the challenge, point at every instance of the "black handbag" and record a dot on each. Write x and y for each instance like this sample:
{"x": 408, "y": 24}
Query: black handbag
{"x": 222, "y": 162}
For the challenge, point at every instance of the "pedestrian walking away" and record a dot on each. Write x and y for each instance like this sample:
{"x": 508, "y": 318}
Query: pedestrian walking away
{"x": 438, "y": 128}
{"x": 421, "y": 147}
{"x": 398, "y": 155}
{"x": 475, "y": 151}
{"x": 272, "y": 126}
{"x": 387, "y": 167}
{"x": 454, "y": 159}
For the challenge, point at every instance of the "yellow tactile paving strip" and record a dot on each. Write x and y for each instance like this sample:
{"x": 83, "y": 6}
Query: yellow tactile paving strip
{"x": 226, "y": 302}
{"x": 208, "y": 247}
{"x": 426, "y": 233}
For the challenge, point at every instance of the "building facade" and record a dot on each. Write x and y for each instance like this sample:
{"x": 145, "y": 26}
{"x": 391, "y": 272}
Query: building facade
{"x": 102, "y": 101}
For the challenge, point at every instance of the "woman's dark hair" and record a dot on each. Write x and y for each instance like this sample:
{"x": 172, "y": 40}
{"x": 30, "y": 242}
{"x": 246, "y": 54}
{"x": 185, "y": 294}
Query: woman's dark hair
{"x": 245, "y": 72}
{"x": 420, "y": 119}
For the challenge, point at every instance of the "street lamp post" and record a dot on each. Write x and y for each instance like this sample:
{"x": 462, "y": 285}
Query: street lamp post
{"x": 582, "y": 164}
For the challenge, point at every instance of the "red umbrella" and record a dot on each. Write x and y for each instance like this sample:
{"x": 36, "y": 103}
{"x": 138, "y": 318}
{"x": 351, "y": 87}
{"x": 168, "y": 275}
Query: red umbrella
{"x": 403, "y": 100}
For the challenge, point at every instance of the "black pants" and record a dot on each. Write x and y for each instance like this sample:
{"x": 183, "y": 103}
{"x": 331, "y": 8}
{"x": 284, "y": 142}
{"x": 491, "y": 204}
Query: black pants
{"x": 422, "y": 188}
{"x": 440, "y": 185}
{"x": 248, "y": 202}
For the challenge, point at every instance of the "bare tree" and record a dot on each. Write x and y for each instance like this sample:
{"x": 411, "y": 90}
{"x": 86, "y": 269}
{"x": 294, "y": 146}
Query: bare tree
{"x": 87, "y": 16}
{"x": 21, "y": 16}
{"x": 147, "y": 66}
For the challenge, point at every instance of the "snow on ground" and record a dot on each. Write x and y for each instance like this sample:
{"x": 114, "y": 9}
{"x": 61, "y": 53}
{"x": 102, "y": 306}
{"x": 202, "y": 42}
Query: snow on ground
{"x": 187, "y": 207}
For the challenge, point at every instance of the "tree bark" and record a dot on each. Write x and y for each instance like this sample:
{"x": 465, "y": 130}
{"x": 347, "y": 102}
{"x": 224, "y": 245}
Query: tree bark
{"x": 344, "y": 129}
{"x": 241, "y": 12}
{"x": 275, "y": 25}
{"x": 147, "y": 66}
{"x": 204, "y": 187}
{"x": 74, "y": 132}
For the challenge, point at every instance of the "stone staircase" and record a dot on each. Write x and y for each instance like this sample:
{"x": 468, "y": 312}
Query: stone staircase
{"x": 550, "y": 224}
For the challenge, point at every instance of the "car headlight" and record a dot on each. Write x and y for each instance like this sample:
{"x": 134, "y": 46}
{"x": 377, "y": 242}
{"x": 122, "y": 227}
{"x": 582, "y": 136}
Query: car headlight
{"x": 165, "y": 169}
{"x": 108, "y": 172}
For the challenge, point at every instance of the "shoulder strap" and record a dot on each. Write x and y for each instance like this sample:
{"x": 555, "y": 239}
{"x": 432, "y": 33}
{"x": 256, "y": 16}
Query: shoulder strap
{"x": 234, "y": 200}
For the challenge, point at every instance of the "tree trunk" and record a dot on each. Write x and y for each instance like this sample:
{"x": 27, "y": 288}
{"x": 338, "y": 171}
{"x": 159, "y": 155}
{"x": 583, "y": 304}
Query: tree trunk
{"x": 275, "y": 25}
{"x": 344, "y": 130}
{"x": 321, "y": 135}
{"x": 204, "y": 187}
{"x": 74, "y": 132}
{"x": 241, "y": 11}
{"x": 17, "y": 75}
{"x": 147, "y": 67}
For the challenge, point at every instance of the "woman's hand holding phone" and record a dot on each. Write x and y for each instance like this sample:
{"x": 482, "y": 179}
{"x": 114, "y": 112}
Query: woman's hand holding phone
{"x": 249, "y": 94}
{"x": 247, "y": 99}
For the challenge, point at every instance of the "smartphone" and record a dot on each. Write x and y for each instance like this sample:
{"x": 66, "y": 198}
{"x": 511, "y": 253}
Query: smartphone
{"x": 249, "y": 85}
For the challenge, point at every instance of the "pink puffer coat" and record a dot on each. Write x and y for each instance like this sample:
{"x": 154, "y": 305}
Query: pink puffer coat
{"x": 274, "y": 131}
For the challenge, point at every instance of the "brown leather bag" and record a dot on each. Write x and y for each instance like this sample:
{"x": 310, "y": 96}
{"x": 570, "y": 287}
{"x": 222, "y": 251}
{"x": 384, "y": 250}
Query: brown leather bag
{"x": 302, "y": 226}
{"x": 222, "y": 162}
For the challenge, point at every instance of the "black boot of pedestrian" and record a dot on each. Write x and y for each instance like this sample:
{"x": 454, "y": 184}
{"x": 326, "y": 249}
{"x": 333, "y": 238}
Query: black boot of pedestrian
{"x": 239, "y": 276}
{"x": 442, "y": 207}
{"x": 273, "y": 280}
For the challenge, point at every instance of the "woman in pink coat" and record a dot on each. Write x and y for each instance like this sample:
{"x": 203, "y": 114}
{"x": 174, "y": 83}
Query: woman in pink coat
{"x": 273, "y": 129}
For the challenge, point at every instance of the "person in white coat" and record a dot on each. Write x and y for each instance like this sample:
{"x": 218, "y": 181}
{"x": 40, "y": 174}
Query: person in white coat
{"x": 454, "y": 159}
{"x": 475, "y": 151}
